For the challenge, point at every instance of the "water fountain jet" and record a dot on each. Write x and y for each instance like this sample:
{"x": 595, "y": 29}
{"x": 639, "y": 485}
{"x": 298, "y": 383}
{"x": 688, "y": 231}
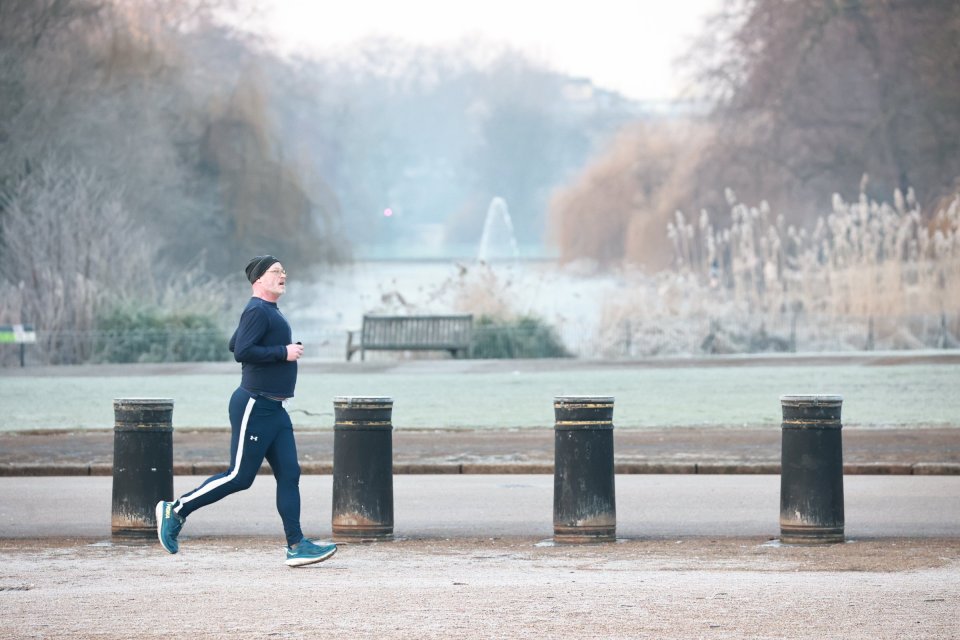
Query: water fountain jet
{"x": 498, "y": 241}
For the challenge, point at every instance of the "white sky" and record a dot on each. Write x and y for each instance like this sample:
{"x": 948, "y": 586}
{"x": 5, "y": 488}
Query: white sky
{"x": 625, "y": 45}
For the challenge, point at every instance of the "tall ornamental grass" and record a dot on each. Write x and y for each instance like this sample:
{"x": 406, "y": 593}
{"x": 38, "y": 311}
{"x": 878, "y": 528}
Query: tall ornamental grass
{"x": 862, "y": 259}
{"x": 867, "y": 275}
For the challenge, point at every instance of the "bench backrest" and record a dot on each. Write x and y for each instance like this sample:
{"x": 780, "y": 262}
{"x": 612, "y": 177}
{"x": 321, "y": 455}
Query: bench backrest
{"x": 417, "y": 332}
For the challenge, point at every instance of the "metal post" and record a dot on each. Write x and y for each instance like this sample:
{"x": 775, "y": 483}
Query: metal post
{"x": 811, "y": 475}
{"x": 142, "y": 464}
{"x": 584, "y": 505}
{"x": 363, "y": 468}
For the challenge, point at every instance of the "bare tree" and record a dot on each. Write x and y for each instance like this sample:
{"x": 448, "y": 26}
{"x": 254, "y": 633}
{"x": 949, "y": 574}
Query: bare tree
{"x": 619, "y": 207}
{"x": 136, "y": 90}
{"x": 812, "y": 95}
{"x": 69, "y": 245}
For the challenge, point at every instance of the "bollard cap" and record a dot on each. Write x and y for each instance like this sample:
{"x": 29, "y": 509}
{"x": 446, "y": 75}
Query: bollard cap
{"x": 583, "y": 400}
{"x": 143, "y": 402}
{"x": 143, "y": 414}
{"x": 800, "y": 399}
{"x": 350, "y": 400}
{"x": 577, "y": 413}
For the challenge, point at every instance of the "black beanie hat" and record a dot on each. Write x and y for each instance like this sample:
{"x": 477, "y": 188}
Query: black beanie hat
{"x": 258, "y": 266}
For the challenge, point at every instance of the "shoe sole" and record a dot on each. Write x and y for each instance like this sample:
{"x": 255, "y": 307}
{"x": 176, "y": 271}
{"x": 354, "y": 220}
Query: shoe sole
{"x": 300, "y": 562}
{"x": 159, "y": 512}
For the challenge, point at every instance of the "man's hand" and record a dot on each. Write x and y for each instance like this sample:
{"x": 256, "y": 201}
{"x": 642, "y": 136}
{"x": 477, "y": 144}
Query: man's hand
{"x": 294, "y": 352}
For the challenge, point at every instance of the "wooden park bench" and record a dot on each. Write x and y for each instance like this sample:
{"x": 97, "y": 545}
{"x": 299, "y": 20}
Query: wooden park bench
{"x": 412, "y": 333}
{"x": 22, "y": 334}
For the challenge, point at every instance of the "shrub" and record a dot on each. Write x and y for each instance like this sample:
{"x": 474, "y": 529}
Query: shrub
{"x": 524, "y": 337}
{"x": 144, "y": 334}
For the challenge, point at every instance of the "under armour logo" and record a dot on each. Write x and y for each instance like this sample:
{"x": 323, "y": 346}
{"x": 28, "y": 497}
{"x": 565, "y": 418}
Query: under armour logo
{"x": 253, "y": 438}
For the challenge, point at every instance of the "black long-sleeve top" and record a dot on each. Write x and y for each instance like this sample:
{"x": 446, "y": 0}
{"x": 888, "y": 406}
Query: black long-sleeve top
{"x": 260, "y": 344}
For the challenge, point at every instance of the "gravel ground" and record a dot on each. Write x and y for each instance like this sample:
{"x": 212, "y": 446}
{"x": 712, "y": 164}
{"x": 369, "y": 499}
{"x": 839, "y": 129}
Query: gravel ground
{"x": 484, "y": 588}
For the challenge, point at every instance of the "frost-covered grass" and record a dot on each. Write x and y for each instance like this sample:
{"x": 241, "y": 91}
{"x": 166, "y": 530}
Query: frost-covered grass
{"x": 453, "y": 395}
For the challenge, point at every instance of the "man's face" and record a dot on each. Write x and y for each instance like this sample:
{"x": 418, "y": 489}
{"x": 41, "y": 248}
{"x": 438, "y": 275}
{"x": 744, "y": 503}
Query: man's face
{"x": 274, "y": 280}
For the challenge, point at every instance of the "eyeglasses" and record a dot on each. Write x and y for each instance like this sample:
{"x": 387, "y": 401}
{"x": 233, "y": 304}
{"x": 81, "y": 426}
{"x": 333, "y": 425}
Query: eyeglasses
{"x": 277, "y": 272}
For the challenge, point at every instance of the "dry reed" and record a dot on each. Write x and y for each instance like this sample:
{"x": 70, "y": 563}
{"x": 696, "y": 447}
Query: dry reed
{"x": 868, "y": 275}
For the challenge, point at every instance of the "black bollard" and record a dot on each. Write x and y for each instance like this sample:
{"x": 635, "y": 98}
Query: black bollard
{"x": 142, "y": 464}
{"x": 584, "y": 505}
{"x": 362, "y": 468}
{"x": 811, "y": 470}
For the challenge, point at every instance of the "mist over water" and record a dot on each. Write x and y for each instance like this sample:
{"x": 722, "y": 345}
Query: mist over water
{"x": 622, "y": 313}
{"x": 570, "y": 300}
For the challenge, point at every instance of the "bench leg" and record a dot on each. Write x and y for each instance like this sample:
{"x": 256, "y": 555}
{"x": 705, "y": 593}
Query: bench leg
{"x": 351, "y": 349}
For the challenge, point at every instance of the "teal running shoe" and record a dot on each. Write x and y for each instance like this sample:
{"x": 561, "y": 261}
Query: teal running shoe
{"x": 307, "y": 552}
{"x": 168, "y": 526}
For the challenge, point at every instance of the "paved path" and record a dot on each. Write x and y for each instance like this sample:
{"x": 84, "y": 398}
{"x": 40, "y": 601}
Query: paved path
{"x": 505, "y": 505}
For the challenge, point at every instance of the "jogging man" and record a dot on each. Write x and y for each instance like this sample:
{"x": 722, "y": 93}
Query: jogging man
{"x": 260, "y": 425}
